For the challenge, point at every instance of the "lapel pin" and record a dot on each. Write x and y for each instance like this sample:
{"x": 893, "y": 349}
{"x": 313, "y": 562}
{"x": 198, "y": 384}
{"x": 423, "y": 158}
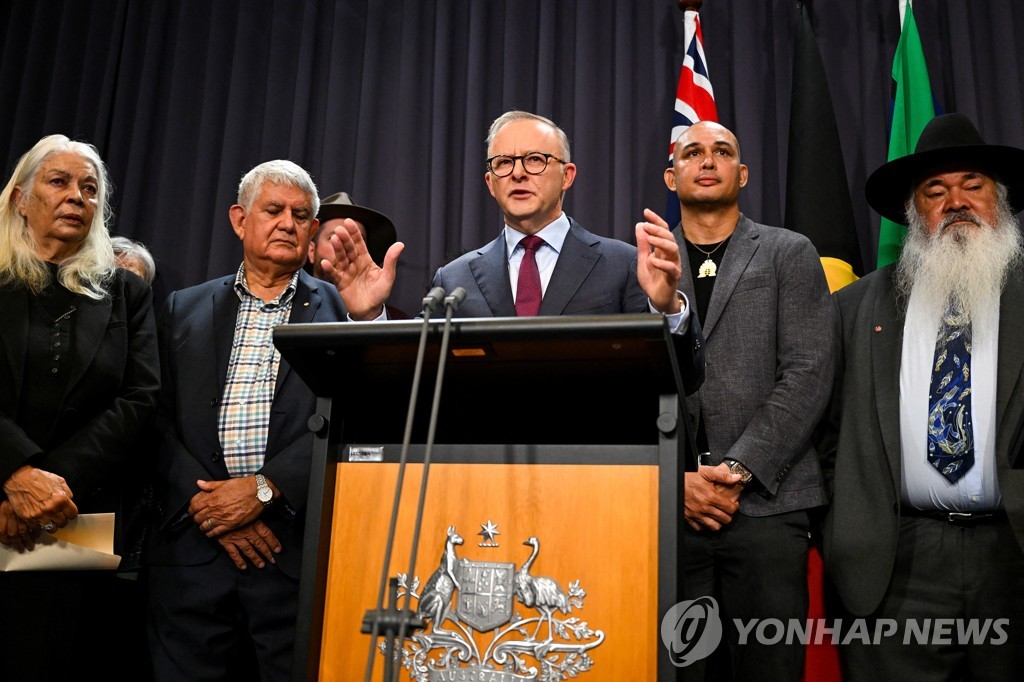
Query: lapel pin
{"x": 878, "y": 328}
{"x": 306, "y": 304}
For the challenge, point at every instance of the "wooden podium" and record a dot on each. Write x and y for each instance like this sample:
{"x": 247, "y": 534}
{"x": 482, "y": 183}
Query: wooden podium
{"x": 553, "y": 508}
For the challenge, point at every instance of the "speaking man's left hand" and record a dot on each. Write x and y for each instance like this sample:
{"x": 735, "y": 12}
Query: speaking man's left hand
{"x": 659, "y": 265}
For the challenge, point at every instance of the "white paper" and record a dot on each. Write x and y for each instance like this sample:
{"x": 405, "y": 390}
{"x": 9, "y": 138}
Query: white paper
{"x": 86, "y": 543}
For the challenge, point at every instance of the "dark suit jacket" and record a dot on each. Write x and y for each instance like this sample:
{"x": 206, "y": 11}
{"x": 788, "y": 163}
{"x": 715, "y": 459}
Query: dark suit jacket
{"x": 110, "y": 397}
{"x": 861, "y": 442}
{"x": 768, "y": 339}
{"x": 197, "y": 327}
{"x": 593, "y": 276}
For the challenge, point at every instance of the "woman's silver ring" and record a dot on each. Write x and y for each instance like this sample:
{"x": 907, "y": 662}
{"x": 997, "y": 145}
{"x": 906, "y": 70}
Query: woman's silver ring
{"x": 50, "y": 527}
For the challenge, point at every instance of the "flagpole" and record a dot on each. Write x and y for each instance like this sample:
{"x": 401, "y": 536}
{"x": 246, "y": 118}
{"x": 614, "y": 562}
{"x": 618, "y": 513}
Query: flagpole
{"x": 689, "y": 4}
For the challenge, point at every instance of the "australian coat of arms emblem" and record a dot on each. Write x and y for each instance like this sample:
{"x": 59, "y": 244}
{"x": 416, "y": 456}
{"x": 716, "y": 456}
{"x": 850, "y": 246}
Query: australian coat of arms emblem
{"x": 529, "y": 618}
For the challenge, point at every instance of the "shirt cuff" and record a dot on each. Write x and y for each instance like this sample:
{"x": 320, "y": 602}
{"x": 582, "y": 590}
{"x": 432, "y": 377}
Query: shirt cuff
{"x": 383, "y": 316}
{"x": 676, "y": 321}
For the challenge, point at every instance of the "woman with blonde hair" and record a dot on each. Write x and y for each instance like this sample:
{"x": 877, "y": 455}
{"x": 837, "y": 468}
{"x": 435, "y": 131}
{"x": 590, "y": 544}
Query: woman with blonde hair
{"x": 79, "y": 378}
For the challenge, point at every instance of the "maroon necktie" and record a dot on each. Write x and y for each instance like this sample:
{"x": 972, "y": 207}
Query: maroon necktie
{"x": 528, "y": 292}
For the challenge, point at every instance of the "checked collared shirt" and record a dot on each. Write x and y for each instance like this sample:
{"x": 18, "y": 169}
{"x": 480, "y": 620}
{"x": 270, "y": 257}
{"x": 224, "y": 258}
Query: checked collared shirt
{"x": 244, "y": 418}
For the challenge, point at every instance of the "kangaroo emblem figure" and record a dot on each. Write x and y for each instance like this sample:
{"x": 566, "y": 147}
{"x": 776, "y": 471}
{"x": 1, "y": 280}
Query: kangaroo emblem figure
{"x": 436, "y": 600}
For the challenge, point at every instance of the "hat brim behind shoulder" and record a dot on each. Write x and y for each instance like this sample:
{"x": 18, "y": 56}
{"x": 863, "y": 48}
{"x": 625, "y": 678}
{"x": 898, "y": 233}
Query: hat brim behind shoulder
{"x": 380, "y": 231}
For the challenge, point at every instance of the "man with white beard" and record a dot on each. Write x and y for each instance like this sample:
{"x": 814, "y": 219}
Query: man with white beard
{"x": 926, "y": 522}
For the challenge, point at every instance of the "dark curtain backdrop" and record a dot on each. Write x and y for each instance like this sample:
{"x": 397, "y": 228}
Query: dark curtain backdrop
{"x": 390, "y": 100}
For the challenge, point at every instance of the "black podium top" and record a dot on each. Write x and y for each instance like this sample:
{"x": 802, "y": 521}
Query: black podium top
{"x": 566, "y": 379}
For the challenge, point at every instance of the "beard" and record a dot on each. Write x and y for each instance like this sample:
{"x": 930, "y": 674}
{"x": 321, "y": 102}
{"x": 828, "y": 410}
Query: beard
{"x": 960, "y": 266}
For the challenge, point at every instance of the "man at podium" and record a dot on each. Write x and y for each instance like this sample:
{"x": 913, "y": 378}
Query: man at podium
{"x": 543, "y": 262}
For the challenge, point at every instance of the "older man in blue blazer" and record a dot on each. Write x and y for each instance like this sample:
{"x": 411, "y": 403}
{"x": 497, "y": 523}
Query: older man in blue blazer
{"x": 233, "y": 462}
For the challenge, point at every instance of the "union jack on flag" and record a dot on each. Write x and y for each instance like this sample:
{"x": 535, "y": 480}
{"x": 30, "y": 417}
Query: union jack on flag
{"x": 695, "y": 100}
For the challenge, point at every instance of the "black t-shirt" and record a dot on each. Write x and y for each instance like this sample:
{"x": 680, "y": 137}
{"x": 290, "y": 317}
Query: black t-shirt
{"x": 702, "y": 287}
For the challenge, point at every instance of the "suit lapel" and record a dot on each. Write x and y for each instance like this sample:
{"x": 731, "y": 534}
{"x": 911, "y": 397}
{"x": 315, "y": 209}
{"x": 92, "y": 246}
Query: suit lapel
{"x": 14, "y": 332}
{"x": 490, "y": 269}
{"x": 1010, "y": 349}
{"x": 305, "y": 305}
{"x": 742, "y": 246}
{"x": 90, "y": 325}
{"x": 577, "y": 258}
{"x": 886, "y": 330}
{"x": 1010, "y": 422}
{"x": 224, "y": 313}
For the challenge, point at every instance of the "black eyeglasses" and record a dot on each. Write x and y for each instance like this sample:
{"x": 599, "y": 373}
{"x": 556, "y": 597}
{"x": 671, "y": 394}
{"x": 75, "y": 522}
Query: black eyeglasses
{"x": 534, "y": 163}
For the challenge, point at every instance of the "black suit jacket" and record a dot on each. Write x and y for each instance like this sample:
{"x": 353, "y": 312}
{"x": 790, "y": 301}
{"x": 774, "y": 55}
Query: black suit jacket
{"x": 861, "y": 447}
{"x": 110, "y": 396}
{"x": 593, "y": 276}
{"x": 197, "y": 327}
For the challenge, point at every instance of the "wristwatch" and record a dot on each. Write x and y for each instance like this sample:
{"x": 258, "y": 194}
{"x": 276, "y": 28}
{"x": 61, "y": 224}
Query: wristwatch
{"x": 737, "y": 468}
{"x": 263, "y": 492}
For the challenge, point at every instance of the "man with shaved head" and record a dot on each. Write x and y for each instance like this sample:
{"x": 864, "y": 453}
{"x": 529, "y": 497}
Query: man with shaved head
{"x": 763, "y": 302}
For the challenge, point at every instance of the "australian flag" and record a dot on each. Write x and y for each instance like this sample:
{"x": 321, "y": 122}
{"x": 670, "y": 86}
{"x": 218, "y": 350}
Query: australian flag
{"x": 695, "y": 100}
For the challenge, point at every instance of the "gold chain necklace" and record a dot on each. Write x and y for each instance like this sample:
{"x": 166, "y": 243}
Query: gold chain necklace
{"x": 708, "y": 267}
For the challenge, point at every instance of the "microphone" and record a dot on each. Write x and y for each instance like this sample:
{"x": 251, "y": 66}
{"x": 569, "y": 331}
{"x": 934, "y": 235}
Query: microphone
{"x": 433, "y": 299}
{"x": 392, "y": 619}
{"x": 451, "y": 303}
{"x": 455, "y": 299}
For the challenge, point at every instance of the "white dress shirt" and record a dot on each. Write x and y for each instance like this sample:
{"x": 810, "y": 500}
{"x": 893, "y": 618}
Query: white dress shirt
{"x": 923, "y": 487}
{"x": 554, "y": 234}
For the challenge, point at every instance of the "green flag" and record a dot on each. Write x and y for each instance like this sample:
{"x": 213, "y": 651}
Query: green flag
{"x": 913, "y": 108}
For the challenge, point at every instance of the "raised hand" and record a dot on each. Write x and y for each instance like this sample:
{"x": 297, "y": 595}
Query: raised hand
{"x": 659, "y": 265}
{"x": 362, "y": 284}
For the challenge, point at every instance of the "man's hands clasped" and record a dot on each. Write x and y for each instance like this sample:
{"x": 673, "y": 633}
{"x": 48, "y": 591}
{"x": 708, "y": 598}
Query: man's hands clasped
{"x": 228, "y": 511}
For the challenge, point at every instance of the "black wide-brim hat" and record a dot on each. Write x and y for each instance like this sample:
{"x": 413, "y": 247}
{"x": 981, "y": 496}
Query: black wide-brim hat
{"x": 380, "y": 231}
{"x": 948, "y": 142}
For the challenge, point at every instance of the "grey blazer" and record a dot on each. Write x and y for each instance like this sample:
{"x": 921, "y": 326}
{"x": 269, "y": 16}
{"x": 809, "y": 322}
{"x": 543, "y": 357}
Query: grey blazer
{"x": 768, "y": 373}
{"x": 860, "y": 443}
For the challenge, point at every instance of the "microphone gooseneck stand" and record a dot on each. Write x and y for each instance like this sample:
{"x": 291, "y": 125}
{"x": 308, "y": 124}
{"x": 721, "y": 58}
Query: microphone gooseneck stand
{"x": 451, "y": 304}
{"x": 390, "y": 620}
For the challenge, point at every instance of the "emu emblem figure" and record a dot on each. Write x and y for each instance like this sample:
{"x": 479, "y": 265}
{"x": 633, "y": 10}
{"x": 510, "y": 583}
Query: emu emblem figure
{"x": 539, "y": 592}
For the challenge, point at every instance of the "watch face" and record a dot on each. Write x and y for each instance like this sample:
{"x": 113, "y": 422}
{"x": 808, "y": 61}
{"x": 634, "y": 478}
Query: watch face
{"x": 738, "y": 468}
{"x": 264, "y": 494}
